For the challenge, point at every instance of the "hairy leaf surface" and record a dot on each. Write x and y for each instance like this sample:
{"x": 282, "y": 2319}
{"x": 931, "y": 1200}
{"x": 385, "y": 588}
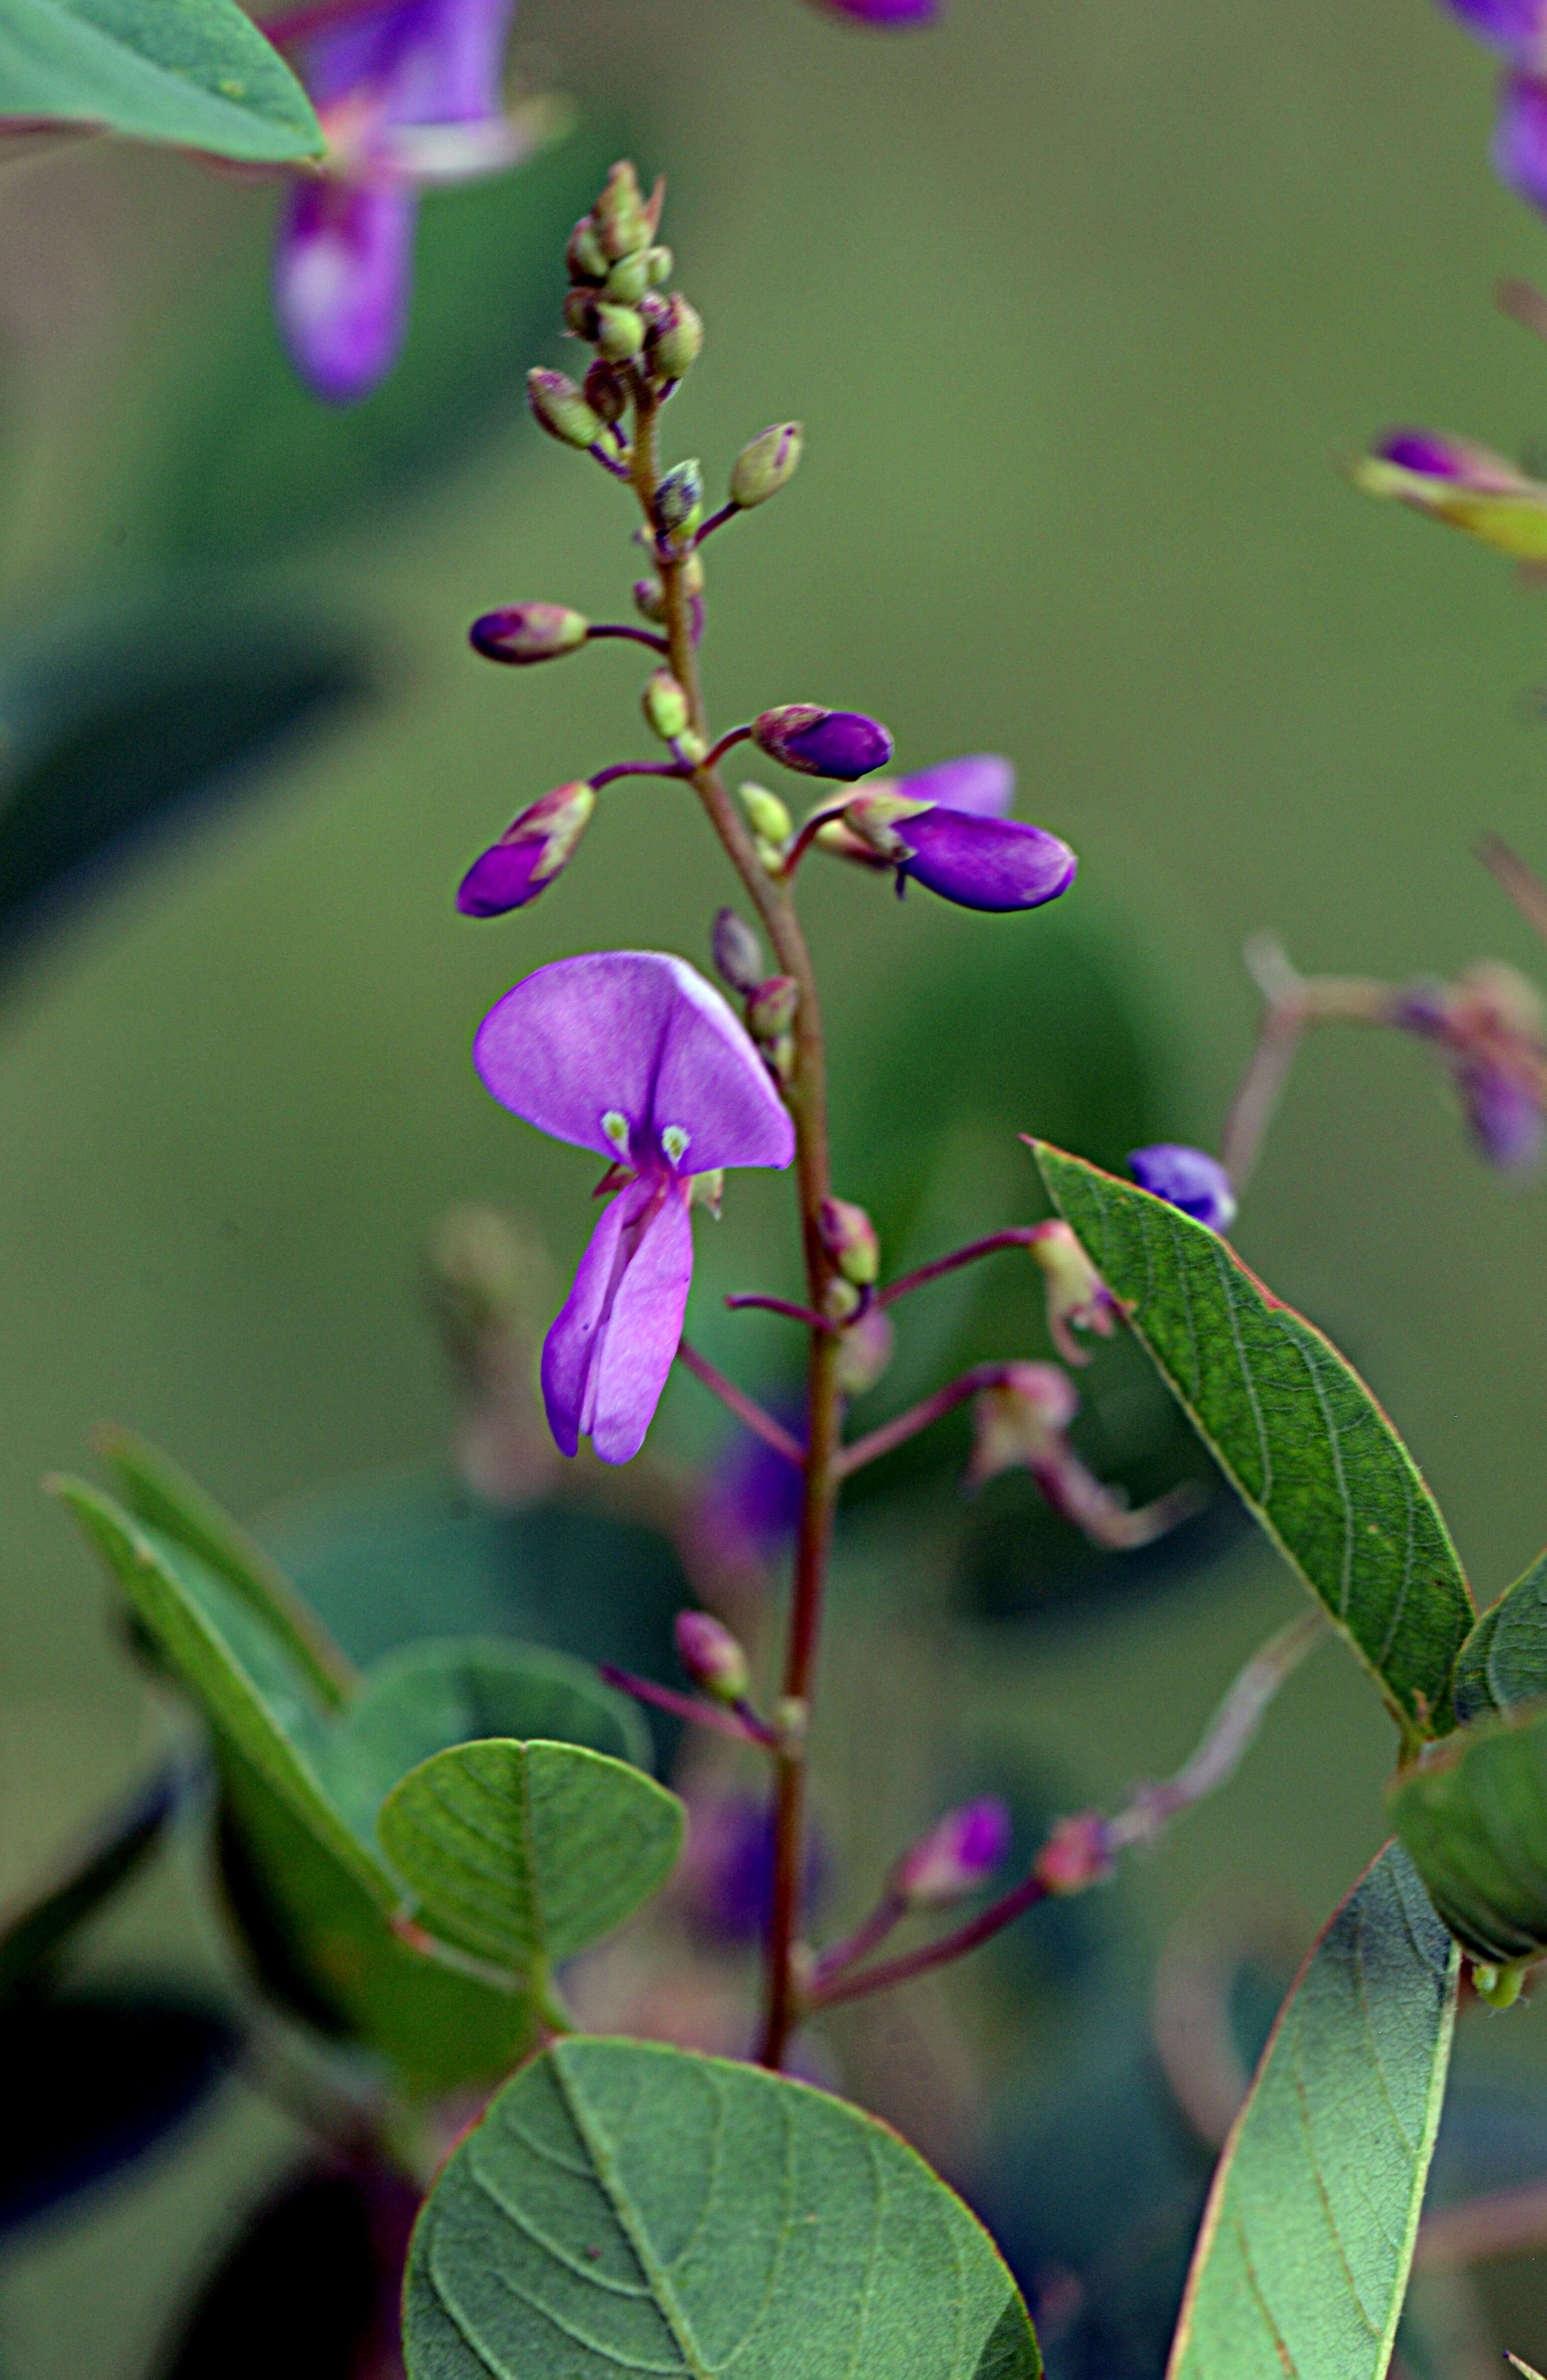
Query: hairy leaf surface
{"x": 1474, "y": 1817}
{"x": 194, "y": 72}
{"x": 1302, "y": 2261}
{"x": 1295, "y": 1427}
{"x": 627, "y": 2208}
{"x": 1503, "y": 1661}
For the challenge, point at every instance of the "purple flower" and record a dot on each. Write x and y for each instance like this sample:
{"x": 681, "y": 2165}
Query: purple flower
{"x": 982, "y": 783}
{"x": 408, "y": 93}
{"x": 1514, "y": 27}
{"x": 1504, "y": 1116}
{"x": 533, "y": 849}
{"x": 1492, "y": 1027}
{"x": 817, "y": 743}
{"x": 1185, "y": 1178}
{"x": 958, "y": 1854}
{"x": 980, "y": 862}
{"x": 891, "y": 13}
{"x": 632, "y": 1054}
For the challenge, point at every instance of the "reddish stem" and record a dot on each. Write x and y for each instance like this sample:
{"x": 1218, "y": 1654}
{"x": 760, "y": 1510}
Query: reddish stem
{"x": 868, "y": 1936}
{"x": 1023, "y": 1236}
{"x": 908, "y": 1425}
{"x": 991, "y": 1921}
{"x": 717, "y": 521}
{"x": 744, "y": 1407}
{"x": 635, "y": 768}
{"x": 726, "y": 744}
{"x": 622, "y": 628}
{"x": 742, "y": 1723}
{"x": 792, "y": 1313}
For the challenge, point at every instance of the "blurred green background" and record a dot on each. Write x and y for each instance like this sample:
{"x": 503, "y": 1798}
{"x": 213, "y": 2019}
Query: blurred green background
{"x": 1078, "y": 307}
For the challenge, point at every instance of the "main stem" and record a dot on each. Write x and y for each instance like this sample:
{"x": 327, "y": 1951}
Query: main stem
{"x": 806, "y": 1093}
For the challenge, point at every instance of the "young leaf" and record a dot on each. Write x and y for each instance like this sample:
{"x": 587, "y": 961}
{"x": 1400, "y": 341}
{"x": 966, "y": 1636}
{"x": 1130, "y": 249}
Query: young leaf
{"x": 1302, "y": 2263}
{"x": 627, "y": 2207}
{"x": 1503, "y": 1661}
{"x": 527, "y": 1853}
{"x": 197, "y": 73}
{"x": 1474, "y": 1818}
{"x": 159, "y": 1493}
{"x": 1292, "y": 1424}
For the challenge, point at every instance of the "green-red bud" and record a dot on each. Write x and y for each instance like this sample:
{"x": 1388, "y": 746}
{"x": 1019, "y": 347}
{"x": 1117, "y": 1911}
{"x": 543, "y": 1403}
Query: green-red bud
{"x": 623, "y": 220}
{"x": 650, "y": 599}
{"x": 771, "y": 1009}
{"x": 661, "y": 261}
{"x": 849, "y": 1237}
{"x": 529, "y": 632}
{"x": 585, "y": 256}
{"x": 676, "y": 339}
{"x": 762, "y": 467}
{"x": 562, "y": 410}
{"x": 606, "y": 393}
{"x": 618, "y": 332}
{"x": 712, "y": 1657}
{"x": 666, "y": 706}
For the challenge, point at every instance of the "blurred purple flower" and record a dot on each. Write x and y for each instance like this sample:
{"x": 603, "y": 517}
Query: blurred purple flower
{"x": 1185, "y": 1178}
{"x": 894, "y": 14}
{"x": 958, "y": 1855}
{"x": 1492, "y": 1027}
{"x": 1520, "y": 139}
{"x": 632, "y": 1054}
{"x": 409, "y": 95}
{"x": 752, "y": 1499}
{"x": 725, "y": 1877}
{"x": 982, "y": 783}
{"x": 1514, "y": 27}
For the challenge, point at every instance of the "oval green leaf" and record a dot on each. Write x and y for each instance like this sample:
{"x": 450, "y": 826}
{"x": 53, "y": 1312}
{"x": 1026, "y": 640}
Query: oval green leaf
{"x": 197, "y": 73}
{"x": 1474, "y": 1818}
{"x": 628, "y": 2208}
{"x": 1503, "y": 1661}
{"x": 1302, "y": 2260}
{"x": 1295, "y": 1429}
{"x": 526, "y": 1852}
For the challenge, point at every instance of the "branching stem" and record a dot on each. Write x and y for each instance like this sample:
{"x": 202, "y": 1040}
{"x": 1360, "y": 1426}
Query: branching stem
{"x": 746, "y": 1409}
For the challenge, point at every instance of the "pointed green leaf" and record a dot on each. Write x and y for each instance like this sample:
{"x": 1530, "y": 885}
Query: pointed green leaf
{"x": 527, "y": 1852}
{"x": 1299, "y": 1435}
{"x": 1302, "y": 2260}
{"x": 625, "y": 2208}
{"x": 197, "y": 73}
{"x": 160, "y": 1493}
{"x": 1474, "y": 1817}
{"x": 1503, "y": 1661}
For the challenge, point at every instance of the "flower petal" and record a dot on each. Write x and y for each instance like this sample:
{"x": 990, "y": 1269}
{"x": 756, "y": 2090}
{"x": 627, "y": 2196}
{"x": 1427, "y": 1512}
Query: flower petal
{"x": 570, "y": 1349}
{"x": 1520, "y": 141}
{"x": 1187, "y": 1178}
{"x": 341, "y": 282}
{"x": 640, "y": 1034}
{"x": 641, "y": 1335}
{"x": 1516, "y": 26}
{"x": 423, "y": 61}
{"x": 982, "y": 783}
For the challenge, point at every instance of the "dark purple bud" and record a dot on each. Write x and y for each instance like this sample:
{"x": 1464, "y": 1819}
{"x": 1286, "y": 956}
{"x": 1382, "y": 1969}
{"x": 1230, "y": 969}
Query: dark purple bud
{"x": 1504, "y": 1115}
{"x": 980, "y": 863}
{"x": 528, "y": 632}
{"x": 529, "y": 854}
{"x": 958, "y": 1855}
{"x": 1188, "y": 1179}
{"x": 738, "y": 954}
{"x": 604, "y": 391}
{"x": 817, "y": 743}
{"x": 711, "y": 1656}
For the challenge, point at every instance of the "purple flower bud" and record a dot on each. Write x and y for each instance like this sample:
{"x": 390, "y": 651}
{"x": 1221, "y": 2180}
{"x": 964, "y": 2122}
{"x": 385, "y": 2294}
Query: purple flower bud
{"x": 1188, "y": 1179}
{"x": 1435, "y": 455}
{"x": 711, "y": 1656}
{"x": 524, "y": 633}
{"x": 894, "y": 15}
{"x": 980, "y": 863}
{"x": 849, "y": 1237}
{"x": 529, "y": 854}
{"x": 817, "y": 743}
{"x": 958, "y": 1855}
{"x": 738, "y": 954}
{"x": 1520, "y": 140}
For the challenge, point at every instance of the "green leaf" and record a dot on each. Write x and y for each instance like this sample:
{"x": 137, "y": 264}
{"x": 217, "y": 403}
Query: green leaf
{"x": 1503, "y": 1661}
{"x": 194, "y": 72}
{"x": 628, "y": 2208}
{"x": 527, "y": 1852}
{"x": 1474, "y": 1817}
{"x": 159, "y": 1493}
{"x": 1296, "y": 1430}
{"x": 1302, "y": 2261}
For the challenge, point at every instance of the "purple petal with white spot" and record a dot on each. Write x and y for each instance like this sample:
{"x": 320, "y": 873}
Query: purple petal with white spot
{"x": 607, "y": 1356}
{"x": 1188, "y": 1179}
{"x": 982, "y": 783}
{"x": 341, "y": 276}
{"x": 1520, "y": 140}
{"x": 985, "y": 863}
{"x": 569, "y": 1349}
{"x": 641, "y": 1035}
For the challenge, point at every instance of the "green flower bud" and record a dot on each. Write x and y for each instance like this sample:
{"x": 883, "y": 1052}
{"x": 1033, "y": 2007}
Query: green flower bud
{"x": 762, "y": 467}
{"x": 666, "y": 706}
{"x": 849, "y": 1237}
{"x": 561, "y": 408}
{"x": 623, "y": 220}
{"x": 585, "y": 256}
{"x": 524, "y": 633}
{"x": 677, "y": 341}
{"x": 629, "y": 280}
{"x": 650, "y": 599}
{"x": 766, "y": 814}
{"x": 678, "y": 499}
{"x": 660, "y": 267}
{"x": 771, "y": 1009}
{"x": 618, "y": 332}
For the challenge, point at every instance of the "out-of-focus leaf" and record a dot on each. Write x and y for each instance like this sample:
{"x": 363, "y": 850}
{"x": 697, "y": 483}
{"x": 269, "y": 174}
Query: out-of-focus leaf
{"x": 311, "y": 2287}
{"x": 90, "y": 2080}
{"x": 1473, "y": 1814}
{"x": 159, "y": 1493}
{"x": 116, "y": 723}
{"x": 32, "y": 1935}
{"x": 1296, "y": 1430}
{"x": 1503, "y": 1661}
{"x": 249, "y": 465}
{"x": 624, "y": 2205}
{"x": 1302, "y": 2261}
{"x": 527, "y": 1852}
{"x": 197, "y": 73}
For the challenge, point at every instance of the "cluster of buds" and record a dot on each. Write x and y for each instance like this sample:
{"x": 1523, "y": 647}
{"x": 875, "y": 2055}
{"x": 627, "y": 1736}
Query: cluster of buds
{"x": 1491, "y": 1024}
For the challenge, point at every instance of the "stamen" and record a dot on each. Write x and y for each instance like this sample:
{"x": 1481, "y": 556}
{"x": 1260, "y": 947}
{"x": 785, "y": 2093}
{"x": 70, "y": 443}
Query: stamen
{"x": 615, "y": 1126}
{"x": 674, "y": 1140}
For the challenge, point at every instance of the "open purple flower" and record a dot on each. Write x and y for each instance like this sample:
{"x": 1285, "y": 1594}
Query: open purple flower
{"x": 1187, "y": 1178}
{"x": 962, "y": 849}
{"x": 407, "y": 93}
{"x": 632, "y": 1054}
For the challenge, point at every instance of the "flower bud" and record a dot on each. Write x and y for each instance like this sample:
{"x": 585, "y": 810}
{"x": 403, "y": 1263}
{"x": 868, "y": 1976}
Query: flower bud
{"x": 629, "y": 279}
{"x": 660, "y": 267}
{"x": 562, "y": 410}
{"x": 1077, "y": 1855}
{"x": 528, "y": 632}
{"x": 738, "y": 958}
{"x": 865, "y": 1350}
{"x": 606, "y": 393}
{"x": 622, "y": 219}
{"x": 762, "y": 467}
{"x": 529, "y": 854}
{"x": 711, "y": 1656}
{"x": 650, "y": 599}
{"x": 771, "y": 1008}
{"x": 585, "y": 256}
{"x": 985, "y": 863}
{"x": 1018, "y": 1424}
{"x": 849, "y": 1237}
{"x": 579, "y": 313}
{"x": 957, "y": 1856}
{"x": 1077, "y": 1298}
{"x": 766, "y": 814}
{"x": 678, "y": 499}
{"x": 840, "y": 1300}
{"x": 665, "y": 706}
{"x": 676, "y": 338}
{"x": 817, "y": 743}
{"x": 617, "y": 332}
{"x": 1188, "y": 1179}
{"x": 708, "y": 1190}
